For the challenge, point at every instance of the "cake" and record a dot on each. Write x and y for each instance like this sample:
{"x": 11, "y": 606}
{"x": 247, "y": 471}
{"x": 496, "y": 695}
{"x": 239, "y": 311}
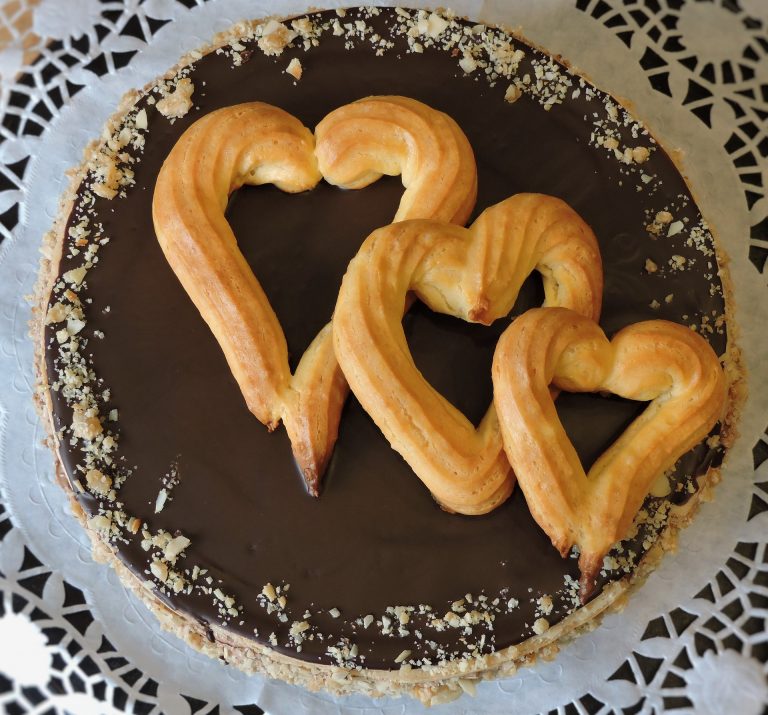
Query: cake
{"x": 369, "y": 587}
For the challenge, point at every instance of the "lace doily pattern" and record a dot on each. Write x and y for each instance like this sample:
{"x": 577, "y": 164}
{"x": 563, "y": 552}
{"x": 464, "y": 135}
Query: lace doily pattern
{"x": 708, "y": 656}
{"x": 709, "y": 58}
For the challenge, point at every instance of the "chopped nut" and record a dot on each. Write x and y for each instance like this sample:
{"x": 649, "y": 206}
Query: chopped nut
{"x": 294, "y": 68}
{"x": 297, "y": 628}
{"x": 57, "y": 313}
{"x": 541, "y": 625}
{"x": 141, "y": 119}
{"x": 85, "y": 424}
{"x": 468, "y": 63}
{"x": 175, "y": 546}
{"x": 177, "y": 103}
{"x": 107, "y": 177}
{"x": 675, "y": 228}
{"x": 75, "y": 276}
{"x": 650, "y": 266}
{"x": 513, "y": 93}
{"x": 162, "y": 497}
{"x": 403, "y": 656}
{"x": 436, "y": 25}
{"x": 275, "y": 37}
{"x": 74, "y": 326}
{"x": 269, "y": 592}
{"x": 98, "y": 482}
{"x": 545, "y": 605}
{"x": 100, "y": 523}
{"x": 159, "y": 570}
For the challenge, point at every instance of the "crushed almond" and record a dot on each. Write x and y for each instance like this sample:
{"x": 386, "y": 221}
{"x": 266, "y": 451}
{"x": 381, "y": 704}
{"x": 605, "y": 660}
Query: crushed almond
{"x": 295, "y": 69}
{"x": 176, "y": 103}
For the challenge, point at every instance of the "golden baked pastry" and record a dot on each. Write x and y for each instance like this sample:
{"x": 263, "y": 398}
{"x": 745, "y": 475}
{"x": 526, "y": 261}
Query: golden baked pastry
{"x": 359, "y": 142}
{"x": 658, "y": 361}
{"x": 256, "y": 143}
{"x": 474, "y": 274}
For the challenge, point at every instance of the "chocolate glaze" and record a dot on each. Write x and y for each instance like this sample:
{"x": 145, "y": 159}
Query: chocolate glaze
{"x": 375, "y": 538}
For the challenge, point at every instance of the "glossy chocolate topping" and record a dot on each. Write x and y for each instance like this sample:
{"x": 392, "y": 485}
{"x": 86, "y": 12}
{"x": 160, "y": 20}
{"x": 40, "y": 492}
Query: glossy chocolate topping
{"x": 374, "y": 538}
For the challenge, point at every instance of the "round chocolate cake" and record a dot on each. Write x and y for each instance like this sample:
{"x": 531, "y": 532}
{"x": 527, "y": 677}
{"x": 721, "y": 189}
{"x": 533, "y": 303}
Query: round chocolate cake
{"x": 371, "y": 586}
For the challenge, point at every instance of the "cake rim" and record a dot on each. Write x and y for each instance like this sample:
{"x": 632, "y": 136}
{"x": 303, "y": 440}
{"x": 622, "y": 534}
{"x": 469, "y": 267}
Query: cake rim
{"x": 431, "y": 685}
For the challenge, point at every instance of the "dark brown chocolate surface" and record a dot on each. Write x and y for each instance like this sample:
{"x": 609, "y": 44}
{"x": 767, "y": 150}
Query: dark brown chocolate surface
{"x": 375, "y": 538}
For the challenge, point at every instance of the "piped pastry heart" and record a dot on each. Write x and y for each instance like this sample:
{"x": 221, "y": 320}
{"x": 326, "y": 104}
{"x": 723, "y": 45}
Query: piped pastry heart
{"x": 658, "y": 361}
{"x": 256, "y": 143}
{"x": 474, "y": 274}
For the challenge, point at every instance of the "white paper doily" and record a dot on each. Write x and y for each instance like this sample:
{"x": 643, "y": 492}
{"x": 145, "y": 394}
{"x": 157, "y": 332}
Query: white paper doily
{"x": 693, "y": 639}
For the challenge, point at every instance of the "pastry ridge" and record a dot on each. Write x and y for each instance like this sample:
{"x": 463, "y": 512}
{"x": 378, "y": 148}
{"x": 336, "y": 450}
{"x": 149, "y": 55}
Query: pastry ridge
{"x": 359, "y": 142}
{"x": 665, "y": 363}
{"x": 256, "y": 143}
{"x": 474, "y": 274}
